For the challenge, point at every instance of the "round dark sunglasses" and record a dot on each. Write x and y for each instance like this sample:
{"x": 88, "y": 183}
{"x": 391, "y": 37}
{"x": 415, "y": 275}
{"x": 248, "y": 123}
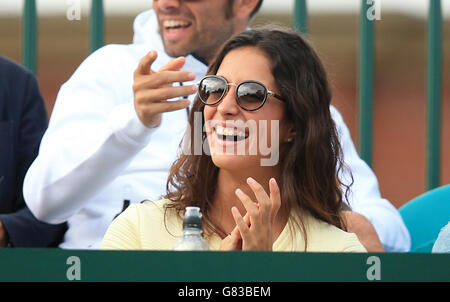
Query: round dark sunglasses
{"x": 250, "y": 95}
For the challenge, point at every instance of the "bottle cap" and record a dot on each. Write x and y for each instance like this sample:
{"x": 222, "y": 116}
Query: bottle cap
{"x": 192, "y": 218}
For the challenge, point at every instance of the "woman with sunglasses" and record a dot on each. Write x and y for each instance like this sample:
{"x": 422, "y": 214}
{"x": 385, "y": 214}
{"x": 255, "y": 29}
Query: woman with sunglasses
{"x": 272, "y": 79}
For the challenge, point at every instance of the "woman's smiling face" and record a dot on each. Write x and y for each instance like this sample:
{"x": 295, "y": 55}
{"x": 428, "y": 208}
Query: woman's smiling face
{"x": 238, "y": 138}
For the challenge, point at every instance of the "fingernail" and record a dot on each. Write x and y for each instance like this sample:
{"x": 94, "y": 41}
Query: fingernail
{"x": 273, "y": 181}
{"x": 191, "y": 75}
{"x": 234, "y": 210}
{"x": 239, "y": 192}
{"x": 251, "y": 181}
{"x": 194, "y": 88}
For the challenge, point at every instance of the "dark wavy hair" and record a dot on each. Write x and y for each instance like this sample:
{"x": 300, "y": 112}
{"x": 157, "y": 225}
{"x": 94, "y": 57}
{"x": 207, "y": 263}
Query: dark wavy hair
{"x": 310, "y": 164}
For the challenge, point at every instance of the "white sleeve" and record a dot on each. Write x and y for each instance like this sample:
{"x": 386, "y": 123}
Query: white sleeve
{"x": 365, "y": 197}
{"x": 92, "y": 137}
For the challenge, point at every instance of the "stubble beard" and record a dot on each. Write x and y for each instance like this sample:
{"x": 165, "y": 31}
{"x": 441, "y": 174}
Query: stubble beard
{"x": 200, "y": 46}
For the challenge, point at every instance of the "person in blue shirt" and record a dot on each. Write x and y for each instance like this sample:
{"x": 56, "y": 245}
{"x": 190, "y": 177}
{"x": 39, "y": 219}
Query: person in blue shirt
{"x": 23, "y": 120}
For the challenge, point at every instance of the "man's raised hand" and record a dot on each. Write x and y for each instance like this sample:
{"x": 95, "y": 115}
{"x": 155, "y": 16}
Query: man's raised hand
{"x": 152, "y": 89}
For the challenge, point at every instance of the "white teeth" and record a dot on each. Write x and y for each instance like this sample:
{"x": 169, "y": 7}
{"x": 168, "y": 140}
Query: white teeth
{"x": 174, "y": 23}
{"x": 229, "y": 131}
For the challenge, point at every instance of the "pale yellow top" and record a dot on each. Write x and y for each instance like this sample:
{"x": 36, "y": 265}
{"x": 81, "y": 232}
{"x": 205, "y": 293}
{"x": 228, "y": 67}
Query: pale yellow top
{"x": 143, "y": 227}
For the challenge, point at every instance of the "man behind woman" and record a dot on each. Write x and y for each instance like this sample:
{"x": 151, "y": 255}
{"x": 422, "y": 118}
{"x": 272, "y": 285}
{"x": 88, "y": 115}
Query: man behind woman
{"x": 274, "y": 78}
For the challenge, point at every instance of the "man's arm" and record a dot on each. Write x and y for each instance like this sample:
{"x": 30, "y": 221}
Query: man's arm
{"x": 94, "y": 134}
{"x": 92, "y": 137}
{"x": 365, "y": 197}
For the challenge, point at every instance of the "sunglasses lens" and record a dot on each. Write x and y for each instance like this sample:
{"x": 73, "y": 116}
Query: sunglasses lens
{"x": 212, "y": 89}
{"x": 251, "y": 95}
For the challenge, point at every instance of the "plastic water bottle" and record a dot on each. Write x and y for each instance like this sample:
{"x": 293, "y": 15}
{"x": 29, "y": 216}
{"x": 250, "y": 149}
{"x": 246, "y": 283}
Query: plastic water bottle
{"x": 192, "y": 239}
